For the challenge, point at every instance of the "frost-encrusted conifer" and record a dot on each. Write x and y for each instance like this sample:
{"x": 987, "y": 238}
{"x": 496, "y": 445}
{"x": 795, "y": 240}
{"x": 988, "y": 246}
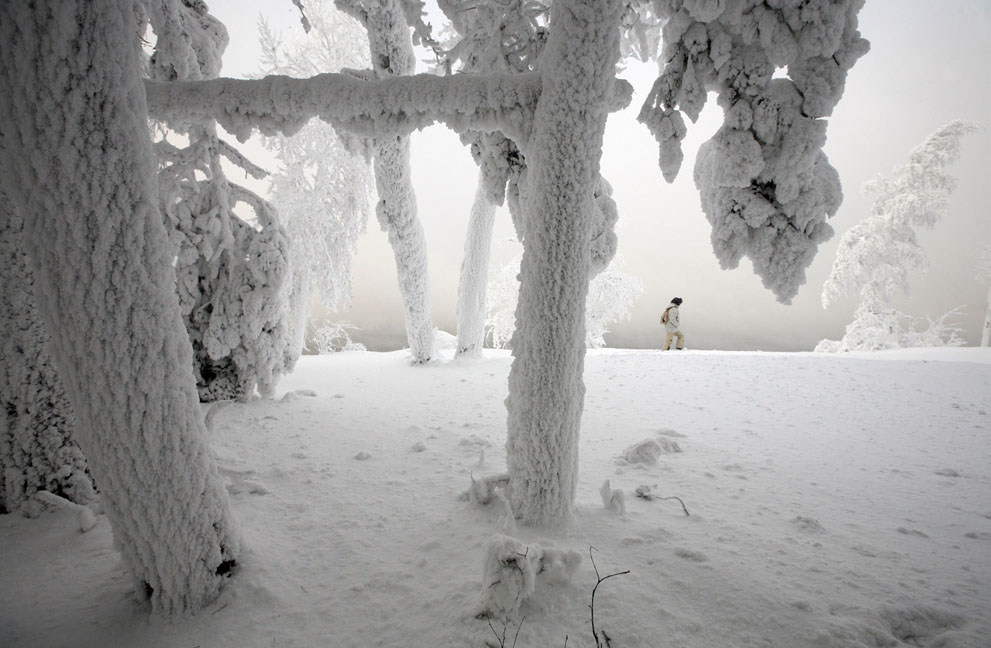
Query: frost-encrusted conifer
{"x": 766, "y": 186}
{"x": 323, "y": 188}
{"x": 37, "y": 446}
{"x": 232, "y": 274}
{"x": 984, "y": 276}
{"x": 876, "y": 255}
{"x": 77, "y": 164}
{"x": 392, "y": 56}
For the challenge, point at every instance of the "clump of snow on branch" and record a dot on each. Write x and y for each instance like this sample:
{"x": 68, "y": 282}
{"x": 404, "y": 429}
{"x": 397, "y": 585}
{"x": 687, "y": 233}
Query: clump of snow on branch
{"x": 766, "y": 186}
{"x": 510, "y": 571}
{"x": 232, "y": 273}
{"x": 610, "y": 299}
{"x": 37, "y": 448}
{"x": 876, "y": 256}
{"x": 323, "y": 186}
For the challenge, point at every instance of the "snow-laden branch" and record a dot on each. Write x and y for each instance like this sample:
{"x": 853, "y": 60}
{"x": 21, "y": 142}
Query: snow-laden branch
{"x": 395, "y": 106}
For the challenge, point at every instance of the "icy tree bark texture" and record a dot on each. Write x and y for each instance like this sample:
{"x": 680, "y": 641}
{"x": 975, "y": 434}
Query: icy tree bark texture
{"x": 392, "y": 55}
{"x": 546, "y": 392}
{"x": 37, "y": 446}
{"x": 77, "y": 162}
{"x": 474, "y": 273}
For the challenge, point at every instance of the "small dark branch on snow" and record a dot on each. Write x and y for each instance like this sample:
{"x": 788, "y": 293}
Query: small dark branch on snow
{"x": 502, "y": 639}
{"x": 683, "y": 508}
{"x": 605, "y": 640}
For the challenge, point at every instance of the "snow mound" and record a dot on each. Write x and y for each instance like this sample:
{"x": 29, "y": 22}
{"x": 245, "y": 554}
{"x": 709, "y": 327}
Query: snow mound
{"x": 510, "y": 570}
{"x": 648, "y": 451}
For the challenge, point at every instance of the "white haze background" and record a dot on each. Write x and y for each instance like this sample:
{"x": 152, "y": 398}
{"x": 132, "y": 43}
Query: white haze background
{"x": 926, "y": 67}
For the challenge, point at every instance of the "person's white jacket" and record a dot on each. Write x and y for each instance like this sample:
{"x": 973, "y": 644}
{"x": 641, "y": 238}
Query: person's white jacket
{"x": 674, "y": 321}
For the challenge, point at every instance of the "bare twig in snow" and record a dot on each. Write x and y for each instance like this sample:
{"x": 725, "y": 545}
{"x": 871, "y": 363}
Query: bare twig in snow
{"x": 604, "y": 641}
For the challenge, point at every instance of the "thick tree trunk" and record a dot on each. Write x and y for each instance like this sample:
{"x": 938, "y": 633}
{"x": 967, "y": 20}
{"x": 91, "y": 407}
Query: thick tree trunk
{"x": 474, "y": 273}
{"x": 77, "y": 161}
{"x": 546, "y": 391}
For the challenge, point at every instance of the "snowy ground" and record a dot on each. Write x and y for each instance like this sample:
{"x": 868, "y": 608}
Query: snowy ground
{"x": 834, "y": 501}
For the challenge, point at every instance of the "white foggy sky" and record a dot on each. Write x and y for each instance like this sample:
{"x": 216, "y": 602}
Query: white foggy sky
{"x": 925, "y": 68}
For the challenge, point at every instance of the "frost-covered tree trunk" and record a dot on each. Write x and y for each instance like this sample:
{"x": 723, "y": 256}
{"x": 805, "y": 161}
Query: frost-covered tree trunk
{"x": 77, "y": 161}
{"x": 37, "y": 446}
{"x": 392, "y": 55}
{"x": 474, "y": 273}
{"x": 546, "y": 392}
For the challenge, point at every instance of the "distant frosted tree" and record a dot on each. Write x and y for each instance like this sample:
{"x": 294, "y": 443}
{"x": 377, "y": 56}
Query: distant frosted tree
{"x": 38, "y": 450}
{"x": 324, "y": 185}
{"x": 232, "y": 273}
{"x": 984, "y": 276}
{"x": 877, "y": 254}
{"x": 392, "y": 55}
{"x": 611, "y": 295}
{"x": 77, "y": 163}
{"x": 766, "y": 186}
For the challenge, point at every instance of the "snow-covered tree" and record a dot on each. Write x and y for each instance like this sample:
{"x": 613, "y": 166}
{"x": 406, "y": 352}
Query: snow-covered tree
{"x": 323, "y": 186}
{"x": 765, "y": 183}
{"x": 78, "y": 166}
{"x": 984, "y": 276}
{"x": 392, "y": 56}
{"x": 557, "y": 118}
{"x": 37, "y": 446}
{"x": 611, "y": 295}
{"x": 876, "y": 256}
{"x": 232, "y": 273}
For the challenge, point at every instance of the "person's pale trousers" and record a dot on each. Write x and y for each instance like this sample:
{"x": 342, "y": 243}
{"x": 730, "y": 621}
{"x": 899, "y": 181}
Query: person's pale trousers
{"x": 671, "y": 336}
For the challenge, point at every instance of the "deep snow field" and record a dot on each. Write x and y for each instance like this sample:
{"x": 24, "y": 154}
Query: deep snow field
{"x": 835, "y": 501}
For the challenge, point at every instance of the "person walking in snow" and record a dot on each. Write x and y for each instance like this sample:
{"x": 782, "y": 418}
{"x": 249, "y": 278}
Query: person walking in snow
{"x": 671, "y": 320}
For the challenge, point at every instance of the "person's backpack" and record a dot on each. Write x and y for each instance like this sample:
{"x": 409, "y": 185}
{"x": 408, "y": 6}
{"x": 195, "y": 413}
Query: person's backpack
{"x": 664, "y": 317}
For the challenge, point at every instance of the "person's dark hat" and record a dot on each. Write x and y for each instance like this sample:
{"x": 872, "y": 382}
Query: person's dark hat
{"x": 677, "y": 301}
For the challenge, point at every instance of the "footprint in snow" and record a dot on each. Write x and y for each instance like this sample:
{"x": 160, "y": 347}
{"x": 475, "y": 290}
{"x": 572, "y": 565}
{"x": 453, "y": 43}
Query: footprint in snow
{"x": 947, "y": 472}
{"x": 691, "y": 555}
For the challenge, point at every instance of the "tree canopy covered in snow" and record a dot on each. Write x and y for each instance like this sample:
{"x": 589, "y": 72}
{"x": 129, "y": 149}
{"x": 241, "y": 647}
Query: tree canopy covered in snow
{"x": 778, "y": 68}
{"x": 544, "y": 84}
{"x": 875, "y": 257}
{"x": 323, "y": 186}
{"x": 232, "y": 272}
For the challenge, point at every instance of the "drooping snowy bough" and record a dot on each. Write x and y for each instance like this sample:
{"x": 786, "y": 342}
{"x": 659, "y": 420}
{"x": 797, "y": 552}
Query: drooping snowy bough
{"x": 766, "y": 186}
{"x": 232, "y": 275}
{"x": 77, "y": 164}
